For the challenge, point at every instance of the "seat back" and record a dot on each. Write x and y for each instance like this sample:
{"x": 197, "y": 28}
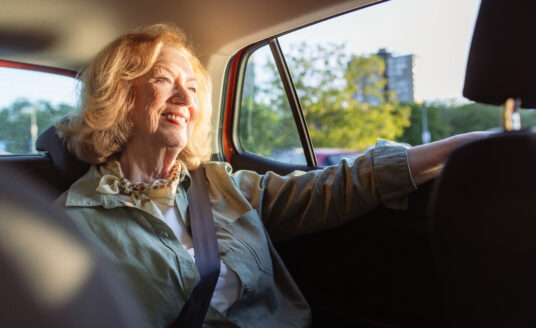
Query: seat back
{"x": 55, "y": 170}
{"x": 51, "y": 276}
{"x": 484, "y": 231}
{"x": 68, "y": 167}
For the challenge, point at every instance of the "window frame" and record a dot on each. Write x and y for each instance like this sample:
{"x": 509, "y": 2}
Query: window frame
{"x": 39, "y": 68}
{"x": 230, "y": 141}
{"x": 36, "y": 68}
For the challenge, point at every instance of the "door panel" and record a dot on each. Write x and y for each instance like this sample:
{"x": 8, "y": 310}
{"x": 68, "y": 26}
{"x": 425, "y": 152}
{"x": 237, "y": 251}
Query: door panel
{"x": 377, "y": 271}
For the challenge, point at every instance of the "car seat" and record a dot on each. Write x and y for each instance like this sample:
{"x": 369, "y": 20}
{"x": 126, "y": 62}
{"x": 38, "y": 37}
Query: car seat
{"x": 484, "y": 204}
{"x": 56, "y": 170}
{"x": 50, "y": 275}
{"x": 485, "y": 233}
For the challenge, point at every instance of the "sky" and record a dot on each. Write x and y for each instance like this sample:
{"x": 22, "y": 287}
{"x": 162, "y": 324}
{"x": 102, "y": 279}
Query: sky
{"x": 36, "y": 85}
{"x": 438, "y": 32}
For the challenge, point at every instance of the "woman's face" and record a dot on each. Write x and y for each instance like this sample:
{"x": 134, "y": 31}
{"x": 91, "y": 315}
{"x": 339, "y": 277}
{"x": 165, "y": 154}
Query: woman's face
{"x": 166, "y": 103}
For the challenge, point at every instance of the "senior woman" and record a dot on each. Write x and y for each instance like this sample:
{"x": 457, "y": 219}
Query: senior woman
{"x": 144, "y": 124}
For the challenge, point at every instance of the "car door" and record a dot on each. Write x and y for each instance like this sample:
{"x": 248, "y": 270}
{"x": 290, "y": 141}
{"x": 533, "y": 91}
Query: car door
{"x": 377, "y": 271}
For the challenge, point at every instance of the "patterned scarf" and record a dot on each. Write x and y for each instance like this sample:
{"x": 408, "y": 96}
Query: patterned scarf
{"x": 142, "y": 194}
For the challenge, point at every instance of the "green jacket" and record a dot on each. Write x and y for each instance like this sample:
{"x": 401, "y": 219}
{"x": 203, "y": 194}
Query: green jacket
{"x": 246, "y": 207}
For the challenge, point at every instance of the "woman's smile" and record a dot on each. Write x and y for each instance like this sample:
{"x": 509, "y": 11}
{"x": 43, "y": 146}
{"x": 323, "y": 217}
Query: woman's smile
{"x": 175, "y": 118}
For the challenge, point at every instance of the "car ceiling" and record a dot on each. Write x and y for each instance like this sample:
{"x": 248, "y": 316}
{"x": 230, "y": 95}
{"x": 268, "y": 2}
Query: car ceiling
{"x": 67, "y": 33}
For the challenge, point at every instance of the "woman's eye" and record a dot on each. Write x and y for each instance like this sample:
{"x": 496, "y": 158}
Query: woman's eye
{"x": 193, "y": 89}
{"x": 163, "y": 79}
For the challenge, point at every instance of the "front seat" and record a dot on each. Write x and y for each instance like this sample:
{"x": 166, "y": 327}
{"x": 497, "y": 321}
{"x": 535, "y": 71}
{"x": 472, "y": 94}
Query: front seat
{"x": 484, "y": 230}
{"x": 50, "y": 275}
{"x": 484, "y": 205}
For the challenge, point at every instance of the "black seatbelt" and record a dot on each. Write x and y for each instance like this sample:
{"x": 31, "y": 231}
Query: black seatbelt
{"x": 207, "y": 257}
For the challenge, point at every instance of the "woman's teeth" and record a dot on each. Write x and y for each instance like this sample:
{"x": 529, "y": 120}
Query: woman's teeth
{"x": 174, "y": 117}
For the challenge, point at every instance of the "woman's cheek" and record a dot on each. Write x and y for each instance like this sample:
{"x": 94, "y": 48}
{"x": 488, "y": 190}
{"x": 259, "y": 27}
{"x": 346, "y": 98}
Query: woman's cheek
{"x": 153, "y": 116}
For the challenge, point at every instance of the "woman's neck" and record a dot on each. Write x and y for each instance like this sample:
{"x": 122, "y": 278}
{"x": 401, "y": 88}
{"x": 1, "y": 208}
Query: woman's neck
{"x": 140, "y": 163}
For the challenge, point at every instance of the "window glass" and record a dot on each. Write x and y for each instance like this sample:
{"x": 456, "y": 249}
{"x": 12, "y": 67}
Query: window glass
{"x": 266, "y": 124}
{"x": 30, "y": 102}
{"x": 394, "y": 70}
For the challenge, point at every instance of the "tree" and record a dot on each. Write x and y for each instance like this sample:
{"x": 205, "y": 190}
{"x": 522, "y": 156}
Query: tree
{"x": 473, "y": 117}
{"x": 346, "y": 105}
{"x": 343, "y": 98}
{"x": 15, "y": 122}
{"x": 528, "y": 118}
{"x": 447, "y": 118}
{"x": 260, "y": 122}
{"x": 266, "y": 123}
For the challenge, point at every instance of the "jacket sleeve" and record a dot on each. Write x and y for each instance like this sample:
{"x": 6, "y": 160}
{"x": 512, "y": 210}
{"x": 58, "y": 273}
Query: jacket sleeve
{"x": 304, "y": 202}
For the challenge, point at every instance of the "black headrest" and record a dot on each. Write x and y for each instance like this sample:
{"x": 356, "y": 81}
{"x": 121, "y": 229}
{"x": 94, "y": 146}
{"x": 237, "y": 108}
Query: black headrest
{"x": 501, "y": 62}
{"x": 69, "y": 167}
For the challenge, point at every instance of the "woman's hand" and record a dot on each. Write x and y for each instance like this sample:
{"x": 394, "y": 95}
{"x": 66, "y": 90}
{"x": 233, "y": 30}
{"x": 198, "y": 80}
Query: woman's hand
{"x": 426, "y": 161}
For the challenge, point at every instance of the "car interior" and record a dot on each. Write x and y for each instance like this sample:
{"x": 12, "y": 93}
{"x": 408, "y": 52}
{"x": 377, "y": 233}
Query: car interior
{"x": 449, "y": 260}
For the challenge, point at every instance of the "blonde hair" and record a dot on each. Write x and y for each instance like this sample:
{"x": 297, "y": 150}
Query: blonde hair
{"x": 102, "y": 127}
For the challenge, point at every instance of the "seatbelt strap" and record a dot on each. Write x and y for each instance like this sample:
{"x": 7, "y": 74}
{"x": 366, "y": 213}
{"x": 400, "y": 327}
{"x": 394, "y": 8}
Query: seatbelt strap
{"x": 207, "y": 257}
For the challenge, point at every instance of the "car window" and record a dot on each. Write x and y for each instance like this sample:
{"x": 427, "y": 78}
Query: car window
{"x": 267, "y": 127}
{"x": 30, "y": 102}
{"x": 394, "y": 70}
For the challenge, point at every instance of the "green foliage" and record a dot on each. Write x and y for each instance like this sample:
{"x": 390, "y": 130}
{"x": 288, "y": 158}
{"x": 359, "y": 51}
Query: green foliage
{"x": 447, "y": 119}
{"x": 473, "y": 117}
{"x": 15, "y": 122}
{"x": 265, "y": 130}
{"x": 266, "y": 122}
{"x": 343, "y": 98}
{"x": 346, "y": 105}
{"x": 528, "y": 118}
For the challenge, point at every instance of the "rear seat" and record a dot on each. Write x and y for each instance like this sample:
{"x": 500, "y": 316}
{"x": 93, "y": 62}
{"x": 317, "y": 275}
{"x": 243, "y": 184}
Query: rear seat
{"x": 56, "y": 170}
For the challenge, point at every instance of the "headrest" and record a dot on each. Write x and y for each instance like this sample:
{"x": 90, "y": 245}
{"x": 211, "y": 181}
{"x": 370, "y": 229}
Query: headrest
{"x": 501, "y": 62}
{"x": 69, "y": 167}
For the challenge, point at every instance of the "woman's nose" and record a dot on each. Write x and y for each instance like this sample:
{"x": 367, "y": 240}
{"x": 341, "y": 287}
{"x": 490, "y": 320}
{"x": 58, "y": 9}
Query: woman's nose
{"x": 181, "y": 96}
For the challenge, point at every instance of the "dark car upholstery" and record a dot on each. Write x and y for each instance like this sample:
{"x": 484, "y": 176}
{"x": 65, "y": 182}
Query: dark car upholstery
{"x": 484, "y": 232}
{"x": 56, "y": 169}
{"x": 86, "y": 293}
{"x": 485, "y": 202}
{"x": 38, "y": 168}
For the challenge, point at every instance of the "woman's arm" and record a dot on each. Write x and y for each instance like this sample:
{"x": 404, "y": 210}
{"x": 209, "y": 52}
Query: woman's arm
{"x": 303, "y": 202}
{"x": 426, "y": 161}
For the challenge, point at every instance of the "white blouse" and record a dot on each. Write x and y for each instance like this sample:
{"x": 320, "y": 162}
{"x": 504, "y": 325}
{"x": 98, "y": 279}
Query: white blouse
{"x": 228, "y": 286}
